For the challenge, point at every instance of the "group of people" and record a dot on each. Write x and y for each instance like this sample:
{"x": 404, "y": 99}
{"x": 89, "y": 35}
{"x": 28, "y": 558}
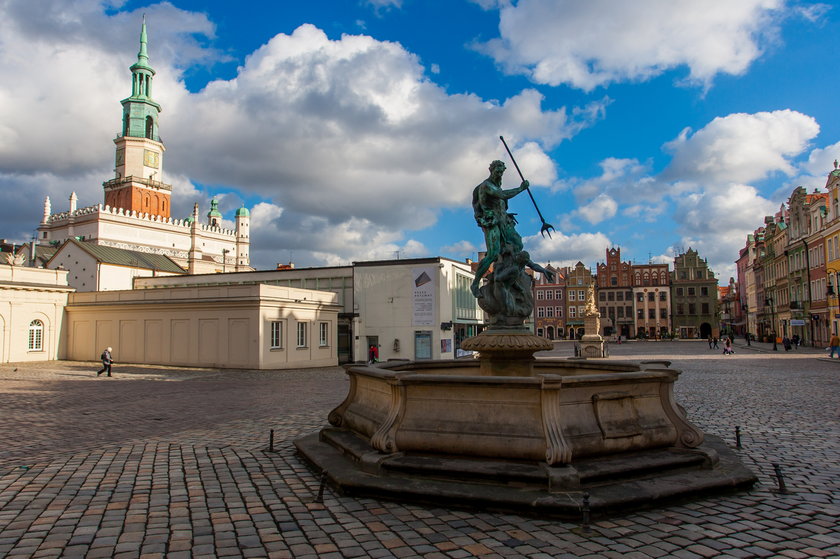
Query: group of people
{"x": 727, "y": 344}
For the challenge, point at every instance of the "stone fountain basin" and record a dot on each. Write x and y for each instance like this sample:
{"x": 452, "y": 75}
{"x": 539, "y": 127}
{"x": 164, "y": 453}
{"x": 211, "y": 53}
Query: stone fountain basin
{"x": 566, "y": 411}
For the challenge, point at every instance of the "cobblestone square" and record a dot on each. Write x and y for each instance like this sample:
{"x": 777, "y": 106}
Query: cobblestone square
{"x": 168, "y": 462}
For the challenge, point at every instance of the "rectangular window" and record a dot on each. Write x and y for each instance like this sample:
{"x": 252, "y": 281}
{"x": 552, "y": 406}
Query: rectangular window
{"x": 558, "y": 312}
{"x": 640, "y": 297}
{"x": 301, "y": 334}
{"x": 558, "y": 294}
{"x": 663, "y": 296}
{"x": 679, "y": 309}
{"x": 572, "y": 312}
{"x": 276, "y": 335}
{"x": 581, "y": 296}
{"x": 540, "y": 295}
{"x": 581, "y": 311}
{"x": 679, "y": 292}
{"x": 540, "y": 312}
{"x": 651, "y": 313}
{"x": 619, "y": 296}
{"x": 640, "y": 313}
{"x": 691, "y": 292}
{"x": 611, "y": 296}
{"x": 602, "y": 296}
{"x": 540, "y": 332}
{"x": 628, "y": 312}
{"x": 692, "y": 309}
{"x": 549, "y": 312}
{"x": 603, "y": 311}
{"x": 704, "y": 291}
{"x": 572, "y": 295}
{"x": 324, "y": 334}
{"x": 620, "y": 312}
{"x": 663, "y": 313}
{"x": 651, "y": 296}
{"x": 704, "y": 308}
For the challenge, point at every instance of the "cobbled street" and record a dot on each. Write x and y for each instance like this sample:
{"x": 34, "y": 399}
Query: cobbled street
{"x": 168, "y": 462}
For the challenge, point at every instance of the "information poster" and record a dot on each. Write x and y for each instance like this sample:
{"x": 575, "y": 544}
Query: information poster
{"x": 424, "y": 296}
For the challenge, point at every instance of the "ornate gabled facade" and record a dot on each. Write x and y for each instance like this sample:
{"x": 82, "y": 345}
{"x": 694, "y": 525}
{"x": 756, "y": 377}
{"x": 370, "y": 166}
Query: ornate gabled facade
{"x": 652, "y": 300}
{"x": 694, "y": 297}
{"x": 615, "y": 298}
{"x": 578, "y": 281}
{"x": 549, "y": 304}
{"x": 136, "y": 213}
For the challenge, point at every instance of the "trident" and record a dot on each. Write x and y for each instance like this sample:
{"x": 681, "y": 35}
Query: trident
{"x": 546, "y": 227}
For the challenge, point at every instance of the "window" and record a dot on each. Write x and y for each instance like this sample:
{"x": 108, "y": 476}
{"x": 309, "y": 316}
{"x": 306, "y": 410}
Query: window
{"x": 651, "y": 296}
{"x": 640, "y": 313}
{"x": 611, "y": 296}
{"x": 36, "y": 336}
{"x": 301, "y": 334}
{"x": 540, "y": 312}
{"x": 663, "y": 296}
{"x": 602, "y": 296}
{"x": 572, "y": 312}
{"x": 572, "y": 295}
{"x": 558, "y": 294}
{"x": 276, "y": 335}
{"x": 692, "y": 309}
{"x": 558, "y": 312}
{"x": 691, "y": 292}
{"x": 603, "y": 311}
{"x": 540, "y": 295}
{"x": 640, "y": 297}
{"x": 651, "y": 313}
{"x": 619, "y": 296}
{"x": 324, "y": 334}
{"x": 704, "y": 308}
{"x": 704, "y": 291}
{"x": 540, "y": 332}
{"x": 549, "y": 312}
{"x": 679, "y": 309}
{"x": 620, "y": 312}
{"x": 581, "y": 296}
{"x": 663, "y": 313}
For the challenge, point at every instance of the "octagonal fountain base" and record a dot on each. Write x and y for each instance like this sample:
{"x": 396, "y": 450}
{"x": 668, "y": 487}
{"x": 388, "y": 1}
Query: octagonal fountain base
{"x": 455, "y": 432}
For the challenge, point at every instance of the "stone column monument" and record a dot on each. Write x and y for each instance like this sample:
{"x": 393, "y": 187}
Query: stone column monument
{"x": 592, "y": 343}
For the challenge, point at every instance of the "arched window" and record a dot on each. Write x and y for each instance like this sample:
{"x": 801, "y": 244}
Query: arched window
{"x": 150, "y": 127}
{"x": 36, "y": 336}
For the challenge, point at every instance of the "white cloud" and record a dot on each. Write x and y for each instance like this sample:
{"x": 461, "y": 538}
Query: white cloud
{"x": 331, "y": 130}
{"x": 593, "y": 43}
{"x": 462, "y": 249}
{"x": 603, "y": 207}
{"x": 566, "y": 250}
{"x": 741, "y": 147}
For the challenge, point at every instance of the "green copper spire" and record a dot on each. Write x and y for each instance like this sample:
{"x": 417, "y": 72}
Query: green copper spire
{"x": 140, "y": 112}
{"x": 143, "y": 55}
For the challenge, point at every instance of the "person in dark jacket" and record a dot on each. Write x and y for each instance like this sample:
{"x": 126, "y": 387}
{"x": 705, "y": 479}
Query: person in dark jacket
{"x": 106, "y": 362}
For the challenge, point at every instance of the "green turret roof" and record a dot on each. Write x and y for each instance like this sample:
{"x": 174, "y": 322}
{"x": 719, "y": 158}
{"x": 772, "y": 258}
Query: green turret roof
{"x": 243, "y": 212}
{"x": 214, "y": 209}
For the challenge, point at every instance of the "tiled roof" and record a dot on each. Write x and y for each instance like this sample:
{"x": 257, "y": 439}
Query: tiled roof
{"x": 130, "y": 258}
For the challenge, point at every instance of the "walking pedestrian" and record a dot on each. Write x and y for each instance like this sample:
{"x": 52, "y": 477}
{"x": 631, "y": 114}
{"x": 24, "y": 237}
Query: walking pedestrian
{"x": 834, "y": 344}
{"x": 715, "y": 341}
{"x": 727, "y": 347}
{"x": 710, "y": 342}
{"x": 106, "y": 362}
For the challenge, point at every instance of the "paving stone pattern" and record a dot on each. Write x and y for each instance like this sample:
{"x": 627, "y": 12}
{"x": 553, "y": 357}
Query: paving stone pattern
{"x": 169, "y": 462}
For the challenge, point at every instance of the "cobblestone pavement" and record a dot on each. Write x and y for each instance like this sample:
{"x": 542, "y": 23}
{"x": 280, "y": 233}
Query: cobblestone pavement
{"x": 168, "y": 462}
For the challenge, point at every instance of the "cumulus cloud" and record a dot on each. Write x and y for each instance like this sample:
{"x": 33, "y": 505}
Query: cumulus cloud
{"x": 741, "y": 147}
{"x": 332, "y": 130}
{"x": 566, "y": 250}
{"x": 594, "y": 43}
{"x": 603, "y": 207}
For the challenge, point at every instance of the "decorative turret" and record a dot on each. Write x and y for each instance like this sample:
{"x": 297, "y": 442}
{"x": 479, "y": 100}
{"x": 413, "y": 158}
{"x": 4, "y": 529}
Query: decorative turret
{"x": 74, "y": 200}
{"x": 214, "y": 216}
{"x": 243, "y": 241}
{"x": 47, "y": 210}
{"x": 138, "y": 184}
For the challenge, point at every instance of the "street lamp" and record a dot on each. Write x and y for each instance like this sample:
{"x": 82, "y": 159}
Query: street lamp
{"x": 769, "y": 302}
{"x": 746, "y": 308}
{"x": 830, "y": 292}
{"x": 224, "y": 259}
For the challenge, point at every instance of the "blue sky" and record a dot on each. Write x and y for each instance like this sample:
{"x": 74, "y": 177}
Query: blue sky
{"x": 356, "y": 129}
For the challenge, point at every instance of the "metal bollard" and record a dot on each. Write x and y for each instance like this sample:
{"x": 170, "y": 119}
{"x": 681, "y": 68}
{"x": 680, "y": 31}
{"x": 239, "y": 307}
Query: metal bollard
{"x": 585, "y": 511}
{"x": 271, "y": 441}
{"x": 780, "y": 479}
{"x": 320, "y": 497}
{"x": 738, "y": 437}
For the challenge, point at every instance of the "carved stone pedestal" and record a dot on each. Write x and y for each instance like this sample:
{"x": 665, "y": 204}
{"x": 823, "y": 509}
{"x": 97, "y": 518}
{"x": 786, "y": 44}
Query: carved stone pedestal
{"x": 506, "y": 351}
